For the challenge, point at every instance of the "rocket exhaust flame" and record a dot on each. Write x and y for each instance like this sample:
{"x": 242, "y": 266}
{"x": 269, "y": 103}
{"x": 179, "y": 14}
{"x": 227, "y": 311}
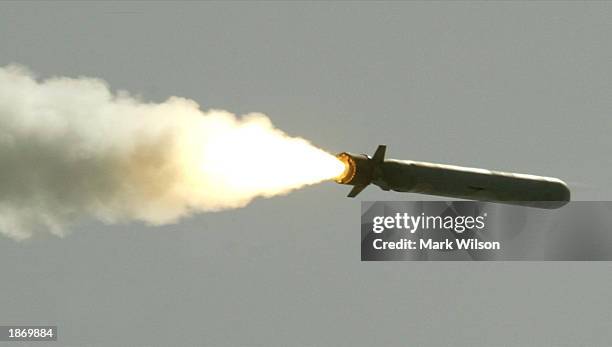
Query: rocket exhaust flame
{"x": 70, "y": 149}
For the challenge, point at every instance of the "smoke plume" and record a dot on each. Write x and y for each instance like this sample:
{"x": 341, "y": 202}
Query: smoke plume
{"x": 71, "y": 149}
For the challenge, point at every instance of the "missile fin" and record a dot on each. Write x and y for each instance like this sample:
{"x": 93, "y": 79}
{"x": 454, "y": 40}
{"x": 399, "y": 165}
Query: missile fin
{"x": 379, "y": 155}
{"x": 356, "y": 190}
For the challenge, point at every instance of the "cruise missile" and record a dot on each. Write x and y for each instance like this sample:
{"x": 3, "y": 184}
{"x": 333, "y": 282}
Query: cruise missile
{"x": 450, "y": 181}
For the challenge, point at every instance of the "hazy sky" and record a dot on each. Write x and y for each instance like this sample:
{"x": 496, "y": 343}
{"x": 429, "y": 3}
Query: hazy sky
{"x": 523, "y": 87}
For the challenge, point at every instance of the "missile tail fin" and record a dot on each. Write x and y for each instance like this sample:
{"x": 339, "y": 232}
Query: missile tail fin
{"x": 379, "y": 155}
{"x": 356, "y": 190}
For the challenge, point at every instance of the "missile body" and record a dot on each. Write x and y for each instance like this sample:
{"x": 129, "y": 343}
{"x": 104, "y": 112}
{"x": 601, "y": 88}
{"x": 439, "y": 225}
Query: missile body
{"x": 452, "y": 181}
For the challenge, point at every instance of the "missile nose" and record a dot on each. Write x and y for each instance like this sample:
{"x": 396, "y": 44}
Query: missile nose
{"x": 564, "y": 192}
{"x": 558, "y": 195}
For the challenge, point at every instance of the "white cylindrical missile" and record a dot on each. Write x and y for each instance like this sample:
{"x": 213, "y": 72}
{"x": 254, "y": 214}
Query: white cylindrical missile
{"x": 451, "y": 181}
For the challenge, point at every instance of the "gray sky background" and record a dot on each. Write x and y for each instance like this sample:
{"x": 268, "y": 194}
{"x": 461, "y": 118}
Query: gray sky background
{"x": 523, "y": 87}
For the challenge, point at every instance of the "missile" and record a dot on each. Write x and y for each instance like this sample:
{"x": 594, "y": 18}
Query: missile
{"x": 450, "y": 181}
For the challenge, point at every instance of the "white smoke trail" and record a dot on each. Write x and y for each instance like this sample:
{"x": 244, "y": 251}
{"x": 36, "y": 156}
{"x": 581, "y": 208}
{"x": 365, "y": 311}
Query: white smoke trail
{"x": 70, "y": 149}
